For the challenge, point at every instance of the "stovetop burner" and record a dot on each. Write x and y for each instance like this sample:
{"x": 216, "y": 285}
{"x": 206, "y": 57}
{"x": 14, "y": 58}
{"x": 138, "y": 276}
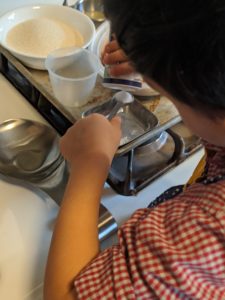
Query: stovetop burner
{"x": 136, "y": 169}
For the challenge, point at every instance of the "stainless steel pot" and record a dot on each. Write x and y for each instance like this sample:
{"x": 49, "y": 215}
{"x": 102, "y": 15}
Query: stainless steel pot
{"x": 92, "y": 8}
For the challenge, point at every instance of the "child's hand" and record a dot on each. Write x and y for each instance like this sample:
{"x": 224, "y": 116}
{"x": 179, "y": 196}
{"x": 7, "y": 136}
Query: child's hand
{"x": 115, "y": 57}
{"x": 93, "y": 136}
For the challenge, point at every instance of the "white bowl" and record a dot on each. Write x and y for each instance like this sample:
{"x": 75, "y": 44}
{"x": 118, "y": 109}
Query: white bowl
{"x": 6, "y": 6}
{"x": 70, "y": 17}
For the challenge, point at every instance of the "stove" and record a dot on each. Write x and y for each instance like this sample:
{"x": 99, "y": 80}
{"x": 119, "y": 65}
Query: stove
{"x": 138, "y": 162}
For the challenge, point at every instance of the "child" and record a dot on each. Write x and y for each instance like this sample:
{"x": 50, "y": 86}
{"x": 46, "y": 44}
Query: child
{"x": 175, "y": 250}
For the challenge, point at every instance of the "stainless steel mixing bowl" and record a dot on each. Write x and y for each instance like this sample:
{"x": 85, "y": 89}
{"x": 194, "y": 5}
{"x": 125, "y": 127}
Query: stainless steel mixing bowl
{"x": 28, "y": 150}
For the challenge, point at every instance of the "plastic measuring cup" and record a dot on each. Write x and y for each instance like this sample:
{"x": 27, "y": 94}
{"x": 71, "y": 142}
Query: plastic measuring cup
{"x": 72, "y": 72}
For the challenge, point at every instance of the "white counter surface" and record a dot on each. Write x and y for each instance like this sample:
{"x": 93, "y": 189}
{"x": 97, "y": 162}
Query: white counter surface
{"x": 27, "y": 214}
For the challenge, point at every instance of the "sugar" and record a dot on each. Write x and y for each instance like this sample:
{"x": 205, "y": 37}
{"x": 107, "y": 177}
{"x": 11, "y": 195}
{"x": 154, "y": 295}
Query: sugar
{"x": 40, "y": 36}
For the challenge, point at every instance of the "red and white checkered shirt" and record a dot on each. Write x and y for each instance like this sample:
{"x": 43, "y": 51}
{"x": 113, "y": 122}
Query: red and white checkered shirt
{"x": 175, "y": 250}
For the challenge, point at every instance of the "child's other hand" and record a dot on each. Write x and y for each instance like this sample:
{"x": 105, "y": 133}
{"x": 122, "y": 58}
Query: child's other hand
{"x": 115, "y": 57}
{"x": 93, "y": 136}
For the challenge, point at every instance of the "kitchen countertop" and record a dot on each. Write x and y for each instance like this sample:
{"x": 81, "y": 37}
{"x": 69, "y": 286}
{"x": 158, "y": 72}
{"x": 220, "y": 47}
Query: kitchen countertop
{"x": 121, "y": 207}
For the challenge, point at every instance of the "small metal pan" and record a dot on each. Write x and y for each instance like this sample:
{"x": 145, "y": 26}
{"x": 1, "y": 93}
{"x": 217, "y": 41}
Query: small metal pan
{"x": 136, "y": 119}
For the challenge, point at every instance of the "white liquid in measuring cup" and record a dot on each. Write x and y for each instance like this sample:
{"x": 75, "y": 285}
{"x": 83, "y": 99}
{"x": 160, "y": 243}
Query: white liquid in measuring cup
{"x": 72, "y": 71}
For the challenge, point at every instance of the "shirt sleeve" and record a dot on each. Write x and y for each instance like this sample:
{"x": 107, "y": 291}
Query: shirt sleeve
{"x": 174, "y": 251}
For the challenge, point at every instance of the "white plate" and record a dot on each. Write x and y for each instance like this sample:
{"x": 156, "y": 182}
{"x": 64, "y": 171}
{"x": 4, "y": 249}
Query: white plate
{"x": 98, "y": 45}
{"x": 8, "y": 5}
{"x": 27, "y": 216}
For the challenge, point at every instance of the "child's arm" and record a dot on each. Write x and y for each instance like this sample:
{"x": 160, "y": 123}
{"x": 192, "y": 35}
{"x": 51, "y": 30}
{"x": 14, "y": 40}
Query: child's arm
{"x": 89, "y": 146}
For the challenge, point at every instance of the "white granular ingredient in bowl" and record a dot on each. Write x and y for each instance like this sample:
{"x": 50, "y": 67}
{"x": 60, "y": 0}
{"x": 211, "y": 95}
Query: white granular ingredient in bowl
{"x": 38, "y": 37}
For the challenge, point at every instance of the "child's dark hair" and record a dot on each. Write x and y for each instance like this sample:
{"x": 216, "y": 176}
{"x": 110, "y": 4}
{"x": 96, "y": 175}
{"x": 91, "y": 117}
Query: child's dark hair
{"x": 180, "y": 44}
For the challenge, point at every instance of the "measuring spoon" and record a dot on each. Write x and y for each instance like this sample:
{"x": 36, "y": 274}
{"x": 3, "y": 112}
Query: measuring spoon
{"x": 122, "y": 98}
